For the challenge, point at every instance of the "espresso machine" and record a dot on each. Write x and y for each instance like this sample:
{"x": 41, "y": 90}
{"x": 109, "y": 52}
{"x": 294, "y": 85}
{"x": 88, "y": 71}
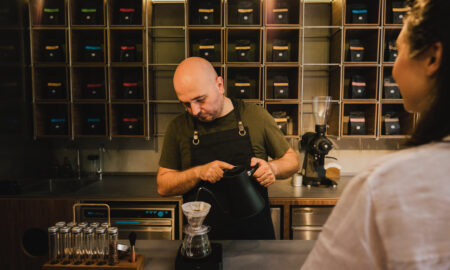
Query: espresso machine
{"x": 316, "y": 146}
{"x": 196, "y": 251}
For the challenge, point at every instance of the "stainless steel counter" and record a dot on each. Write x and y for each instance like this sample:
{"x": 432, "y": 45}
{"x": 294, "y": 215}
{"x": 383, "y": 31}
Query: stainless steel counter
{"x": 237, "y": 254}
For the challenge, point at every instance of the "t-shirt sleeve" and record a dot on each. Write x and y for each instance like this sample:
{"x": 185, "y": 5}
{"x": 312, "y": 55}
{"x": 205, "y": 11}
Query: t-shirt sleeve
{"x": 170, "y": 155}
{"x": 276, "y": 144}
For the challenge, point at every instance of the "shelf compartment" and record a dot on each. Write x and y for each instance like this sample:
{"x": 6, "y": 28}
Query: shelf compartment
{"x": 49, "y": 46}
{"x": 322, "y": 46}
{"x": 51, "y": 84}
{"x": 321, "y": 81}
{"x": 88, "y": 46}
{"x": 288, "y": 124}
{"x": 51, "y": 120}
{"x": 282, "y": 83}
{"x": 204, "y": 12}
{"x": 87, "y": 12}
{"x": 127, "y": 84}
{"x": 369, "y": 113}
{"x": 89, "y": 119}
{"x": 243, "y": 46}
{"x": 126, "y": 12}
{"x": 163, "y": 115}
{"x": 358, "y": 38}
{"x": 206, "y": 43}
{"x": 362, "y": 12}
{"x": 11, "y": 83}
{"x": 12, "y": 119}
{"x": 126, "y": 46}
{"x": 10, "y": 13}
{"x": 400, "y": 123}
{"x": 10, "y": 49}
{"x": 282, "y": 12}
{"x": 390, "y": 51}
{"x": 167, "y": 46}
{"x": 389, "y": 88}
{"x": 309, "y": 124}
{"x": 241, "y": 86}
{"x": 243, "y": 12}
{"x": 161, "y": 83}
{"x": 323, "y": 13}
{"x": 282, "y": 45}
{"x": 128, "y": 120}
{"x": 48, "y": 12}
{"x": 360, "y": 83}
{"x": 165, "y": 13}
{"x": 395, "y": 11}
{"x": 89, "y": 83}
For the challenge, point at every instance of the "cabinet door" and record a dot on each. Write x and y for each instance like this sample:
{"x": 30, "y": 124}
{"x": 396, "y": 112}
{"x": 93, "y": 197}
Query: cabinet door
{"x": 23, "y": 230}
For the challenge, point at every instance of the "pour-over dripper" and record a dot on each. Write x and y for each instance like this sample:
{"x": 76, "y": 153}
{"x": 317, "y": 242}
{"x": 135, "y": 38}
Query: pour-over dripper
{"x": 196, "y": 212}
{"x": 321, "y": 109}
{"x": 196, "y": 243}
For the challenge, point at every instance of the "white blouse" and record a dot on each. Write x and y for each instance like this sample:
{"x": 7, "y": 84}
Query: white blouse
{"x": 394, "y": 215}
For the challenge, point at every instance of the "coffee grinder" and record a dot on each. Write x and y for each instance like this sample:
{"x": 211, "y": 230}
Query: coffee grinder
{"x": 316, "y": 146}
{"x": 196, "y": 251}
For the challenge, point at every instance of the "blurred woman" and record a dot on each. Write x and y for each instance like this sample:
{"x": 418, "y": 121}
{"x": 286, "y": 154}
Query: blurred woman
{"x": 395, "y": 214}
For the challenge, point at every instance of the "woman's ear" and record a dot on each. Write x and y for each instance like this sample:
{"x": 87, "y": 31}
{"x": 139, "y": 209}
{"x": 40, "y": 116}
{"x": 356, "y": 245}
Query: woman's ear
{"x": 434, "y": 58}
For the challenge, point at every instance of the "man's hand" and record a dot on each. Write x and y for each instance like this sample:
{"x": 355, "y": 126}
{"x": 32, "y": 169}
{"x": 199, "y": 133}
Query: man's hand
{"x": 213, "y": 171}
{"x": 265, "y": 174}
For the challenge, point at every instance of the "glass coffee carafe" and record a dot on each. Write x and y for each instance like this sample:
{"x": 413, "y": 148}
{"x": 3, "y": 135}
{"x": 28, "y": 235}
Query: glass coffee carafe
{"x": 196, "y": 243}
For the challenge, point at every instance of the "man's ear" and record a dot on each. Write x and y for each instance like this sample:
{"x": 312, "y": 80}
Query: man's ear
{"x": 434, "y": 58}
{"x": 219, "y": 84}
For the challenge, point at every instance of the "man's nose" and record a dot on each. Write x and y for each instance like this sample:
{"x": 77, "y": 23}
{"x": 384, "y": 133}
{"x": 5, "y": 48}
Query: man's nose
{"x": 195, "y": 109}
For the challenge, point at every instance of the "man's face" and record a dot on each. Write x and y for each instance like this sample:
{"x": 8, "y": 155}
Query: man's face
{"x": 203, "y": 100}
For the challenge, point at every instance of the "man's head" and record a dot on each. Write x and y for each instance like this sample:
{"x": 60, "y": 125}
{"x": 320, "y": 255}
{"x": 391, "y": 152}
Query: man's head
{"x": 199, "y": 88}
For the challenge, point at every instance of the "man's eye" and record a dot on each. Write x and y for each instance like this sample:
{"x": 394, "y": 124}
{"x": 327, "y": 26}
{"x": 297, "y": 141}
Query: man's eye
{"x": 187, "y": 105}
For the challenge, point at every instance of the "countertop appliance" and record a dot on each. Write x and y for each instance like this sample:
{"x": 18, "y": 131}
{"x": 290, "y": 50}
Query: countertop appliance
{"x": 149, "y": 220}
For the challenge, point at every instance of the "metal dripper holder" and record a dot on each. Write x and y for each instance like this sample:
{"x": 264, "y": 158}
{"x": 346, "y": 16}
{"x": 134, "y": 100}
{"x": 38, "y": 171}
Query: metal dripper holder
{"x": 196, "y": 243}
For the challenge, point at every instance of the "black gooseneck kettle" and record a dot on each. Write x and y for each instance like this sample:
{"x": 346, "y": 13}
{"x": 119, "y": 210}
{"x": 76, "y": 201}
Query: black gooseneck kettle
{"x": 238, "y": 196}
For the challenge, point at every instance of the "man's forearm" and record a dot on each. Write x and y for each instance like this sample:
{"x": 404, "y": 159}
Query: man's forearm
{"x": 172, "y": 182}
{"x": 285, "y": 166}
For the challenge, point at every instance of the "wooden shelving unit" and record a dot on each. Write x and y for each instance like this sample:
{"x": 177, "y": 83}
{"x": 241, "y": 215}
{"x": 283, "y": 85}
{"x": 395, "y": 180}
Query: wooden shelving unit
{"x": 311, "y": 37}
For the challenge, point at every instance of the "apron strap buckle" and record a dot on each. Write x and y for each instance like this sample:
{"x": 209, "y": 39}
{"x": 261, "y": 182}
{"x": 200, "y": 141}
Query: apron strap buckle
{"x": 242, "y": 131}
{"x": 195, "y": 140}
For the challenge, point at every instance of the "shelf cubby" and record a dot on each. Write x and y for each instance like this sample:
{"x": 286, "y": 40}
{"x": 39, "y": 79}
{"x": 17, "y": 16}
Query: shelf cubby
{"x": 49, "y": 46}
{"x": 368, "y": 110}
{"x": 166, "y": 46}
{"x": 51, "y": 84}
{"x": 360, "y": 83}
{"x": 322, "y": 13}
{"x": 282, "y": 12}
{"x": 389, "y": 46}
{"x": 161, "y": 83}
{"x": 164, "y": 14}
{"x": 128, "y": 120}
{"x": 127, "y": 84}
{"x": 386, "y": 90}
{"x": 369, "y": 10}
{"x": 406, "y": 120}
{"x": 292, "y": 114}
{"x": 246, "y": 86}
{"x": 88, "y": 46}
{"x": 89, "y": 84}
{"x": 206, "y": 43}
{"x": 52, "y": 120}
{"x": 48, "y": 13}
{"x": 10, "y": 47}
{"x": 322, "y": 45}
{"x": 126, "y": 46}
{"x": 282, "y": 45}
{"x": 87, "y": 12}
{"x": 10, "y": 13}
{"x": 321, "y": 80}
{"x": 11, "y": 83}
{"x": 204, "y": 12}
{"x": 89, "y": 119}
{"x": 368, "y": 39}
{"x": 243, "y": 46}
{"x": 243, "y": 12}
{"x": 395, "y": 11}
{"x": 282, "y": 83}
{"x": 308, "y": 122}
{"x": 163, "y": 115}
{"x": 126, "y": 12}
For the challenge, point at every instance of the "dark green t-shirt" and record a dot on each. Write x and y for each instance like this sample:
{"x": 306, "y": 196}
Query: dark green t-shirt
{"x": 265, "y": 137}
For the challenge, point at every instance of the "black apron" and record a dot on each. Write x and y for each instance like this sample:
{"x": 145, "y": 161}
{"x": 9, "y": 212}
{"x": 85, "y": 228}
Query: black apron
{"x": 234, "y": 147}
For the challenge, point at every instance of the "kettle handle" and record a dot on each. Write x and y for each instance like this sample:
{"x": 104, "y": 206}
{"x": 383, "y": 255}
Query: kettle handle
{"x": 252, "y": 170}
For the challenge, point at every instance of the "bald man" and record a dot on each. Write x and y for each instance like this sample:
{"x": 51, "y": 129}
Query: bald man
{"x": 215, "y": 134}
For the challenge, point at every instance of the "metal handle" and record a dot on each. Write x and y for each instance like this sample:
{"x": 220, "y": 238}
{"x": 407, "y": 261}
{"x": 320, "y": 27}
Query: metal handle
{"x": 92, "y": 204}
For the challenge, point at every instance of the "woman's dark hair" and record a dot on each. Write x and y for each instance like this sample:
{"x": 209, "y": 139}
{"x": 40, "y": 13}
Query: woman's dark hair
{"x": 427, "y": 22}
